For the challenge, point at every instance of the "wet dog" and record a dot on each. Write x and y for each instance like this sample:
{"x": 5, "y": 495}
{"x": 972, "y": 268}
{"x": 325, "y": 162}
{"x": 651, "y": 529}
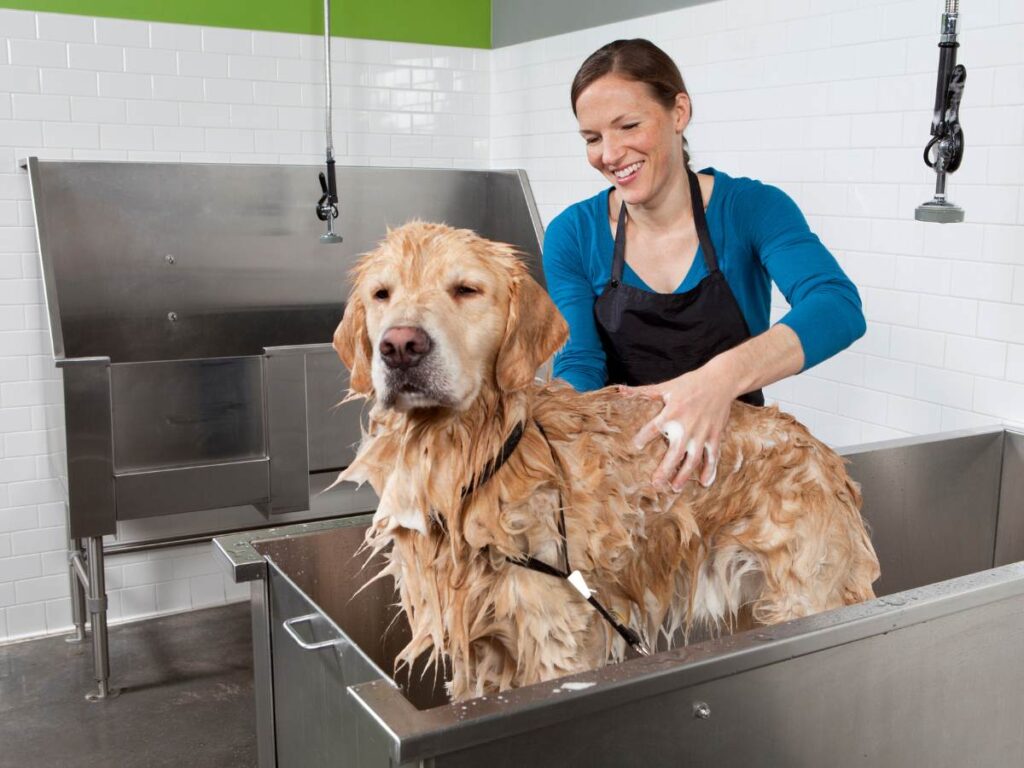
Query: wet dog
{"x": 518, "y": 521}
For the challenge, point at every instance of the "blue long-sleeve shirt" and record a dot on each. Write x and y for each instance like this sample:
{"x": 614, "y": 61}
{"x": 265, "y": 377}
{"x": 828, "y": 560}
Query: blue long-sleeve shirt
{"x": 759, "y": 235}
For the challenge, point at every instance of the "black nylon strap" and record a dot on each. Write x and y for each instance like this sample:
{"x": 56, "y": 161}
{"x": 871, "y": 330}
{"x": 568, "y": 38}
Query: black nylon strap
{"x": 701, "y": 222}
{"x": 538, "y": 565}
{"x": 496, "y": 463}
{"x": 632, "y": 638}
{"x": 628, "y": 634}
{"x": 619, "y": 257}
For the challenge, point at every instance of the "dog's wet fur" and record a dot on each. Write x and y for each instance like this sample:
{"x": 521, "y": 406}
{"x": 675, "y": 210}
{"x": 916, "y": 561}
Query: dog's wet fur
{"x": 777, "y": 536}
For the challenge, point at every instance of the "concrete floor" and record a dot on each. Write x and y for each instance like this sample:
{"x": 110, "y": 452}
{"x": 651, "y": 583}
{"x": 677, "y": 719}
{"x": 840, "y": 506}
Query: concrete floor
{"x": 186, "y": 697}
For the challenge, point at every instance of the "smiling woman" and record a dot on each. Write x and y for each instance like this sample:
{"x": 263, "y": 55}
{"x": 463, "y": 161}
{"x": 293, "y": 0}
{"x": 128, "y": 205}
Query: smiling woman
{"x": 665, "y": 277}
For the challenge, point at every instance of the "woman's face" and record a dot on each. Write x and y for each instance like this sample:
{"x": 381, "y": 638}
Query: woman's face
{"x": 632, "y": 140}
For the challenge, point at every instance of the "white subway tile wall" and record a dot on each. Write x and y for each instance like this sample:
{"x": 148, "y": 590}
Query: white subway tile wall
{"x": 832, "y": 102}
{"x": 75, "y": 87}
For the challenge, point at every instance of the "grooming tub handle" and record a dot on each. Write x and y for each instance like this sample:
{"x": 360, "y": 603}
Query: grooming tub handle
{"x": 289, "y": 627}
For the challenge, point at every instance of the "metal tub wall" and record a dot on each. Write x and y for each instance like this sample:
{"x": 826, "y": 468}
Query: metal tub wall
{"x": 303, "y": 672}
{"x": 191, "y": 310}
{"x": 928, "y": 674}
{"x": 942, "y": 508}
{"x": 154, "y": 261}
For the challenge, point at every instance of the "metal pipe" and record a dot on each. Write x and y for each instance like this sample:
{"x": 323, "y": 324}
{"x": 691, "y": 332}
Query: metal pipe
{"x": 78, "y": 568}
{"x": 328, "y": 126}
{"x": 76, "y": 572}
{"x": 97, "y": 604}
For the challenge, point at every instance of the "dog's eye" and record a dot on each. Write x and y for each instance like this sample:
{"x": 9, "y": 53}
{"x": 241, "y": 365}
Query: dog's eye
{"x": 464, "y": 290}
{"x": 381, "y": 294}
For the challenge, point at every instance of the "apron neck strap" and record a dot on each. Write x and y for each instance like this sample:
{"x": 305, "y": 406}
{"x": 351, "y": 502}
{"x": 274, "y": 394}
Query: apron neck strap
{"x": 697, "y": 203}
{"x": 619, "y": 258}
{"x": 699, "y": 220}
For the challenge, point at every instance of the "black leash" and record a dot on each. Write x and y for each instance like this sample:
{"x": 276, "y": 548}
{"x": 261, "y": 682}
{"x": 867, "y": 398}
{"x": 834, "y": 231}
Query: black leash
{"x": 575, "y": 578}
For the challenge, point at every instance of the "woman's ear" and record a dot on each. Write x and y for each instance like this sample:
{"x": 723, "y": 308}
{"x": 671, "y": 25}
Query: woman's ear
{"x": 352, "y": 344}
{"x": 682, "y": 111}
{"x": 534, "y": 331}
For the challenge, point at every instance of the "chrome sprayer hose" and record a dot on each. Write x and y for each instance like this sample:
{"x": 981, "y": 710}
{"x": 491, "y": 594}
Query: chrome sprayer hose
{"x": 327, "y": 75}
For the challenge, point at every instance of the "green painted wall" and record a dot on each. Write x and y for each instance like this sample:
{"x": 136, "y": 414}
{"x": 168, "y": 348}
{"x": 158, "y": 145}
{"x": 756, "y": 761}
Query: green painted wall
{"x": 441, "y": 22}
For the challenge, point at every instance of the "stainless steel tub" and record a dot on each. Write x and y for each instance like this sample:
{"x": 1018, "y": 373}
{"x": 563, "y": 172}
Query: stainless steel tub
{"x": 930, "y": 673}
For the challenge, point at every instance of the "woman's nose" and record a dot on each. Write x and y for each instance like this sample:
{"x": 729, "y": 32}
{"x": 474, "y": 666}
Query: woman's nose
{"x": 611, "y": 151}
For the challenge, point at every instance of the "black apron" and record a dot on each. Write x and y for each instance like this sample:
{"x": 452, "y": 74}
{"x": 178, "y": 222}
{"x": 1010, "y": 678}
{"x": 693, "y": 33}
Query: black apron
{"x": 650, "y": 337}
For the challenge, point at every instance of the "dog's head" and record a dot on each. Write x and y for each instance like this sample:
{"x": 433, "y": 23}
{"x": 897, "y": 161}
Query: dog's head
{"x": 436, "y": 314}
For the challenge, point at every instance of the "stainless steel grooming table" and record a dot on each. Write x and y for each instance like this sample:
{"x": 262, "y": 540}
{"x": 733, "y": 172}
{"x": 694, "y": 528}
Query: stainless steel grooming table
{"x": 929, "y": 674}
{"x": 191, "y": 310}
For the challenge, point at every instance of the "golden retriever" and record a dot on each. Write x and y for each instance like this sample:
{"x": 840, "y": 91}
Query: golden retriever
{"x": 445, "y": 331}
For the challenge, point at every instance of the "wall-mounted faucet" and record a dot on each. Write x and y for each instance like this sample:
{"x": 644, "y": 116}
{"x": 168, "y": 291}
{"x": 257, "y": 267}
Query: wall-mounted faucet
{"x": 327, "y": 206}
{"x": 946, "y": 148}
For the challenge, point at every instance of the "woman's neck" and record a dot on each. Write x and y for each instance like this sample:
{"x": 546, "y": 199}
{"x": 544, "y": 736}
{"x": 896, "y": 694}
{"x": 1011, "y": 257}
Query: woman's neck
{"x": 666, "y": 210}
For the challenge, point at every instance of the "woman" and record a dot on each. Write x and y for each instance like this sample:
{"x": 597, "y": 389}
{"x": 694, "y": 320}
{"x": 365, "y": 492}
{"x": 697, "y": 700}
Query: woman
{"x": 667, "y": 297}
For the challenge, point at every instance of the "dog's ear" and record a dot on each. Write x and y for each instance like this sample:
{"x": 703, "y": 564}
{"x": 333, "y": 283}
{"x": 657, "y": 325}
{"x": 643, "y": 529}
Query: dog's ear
{"x": 535, "y": 330}
{"x": 352, "y": 343}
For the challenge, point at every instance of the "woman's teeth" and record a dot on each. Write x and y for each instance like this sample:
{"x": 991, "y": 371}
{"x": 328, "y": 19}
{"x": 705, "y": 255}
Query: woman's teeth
{"x": 629, "y": 170}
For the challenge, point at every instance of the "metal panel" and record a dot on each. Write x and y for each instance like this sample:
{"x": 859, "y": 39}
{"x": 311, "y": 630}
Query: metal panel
{"x": 228, "y": 260}
{"x": 511, "y": 216}
{"x": 516, "y": 21}
{"x": 185, "y": 489}
{"x": 246, "y": 520}
{"x": 263, "y": 678}
{"x": 943, "y": 693}
{"x": 315, "y": 720}
{"x": 327, "y": 569}
{"x": 90, "y": 448}
{"x": 41, "y": 212}
{"x": 285, "y": 378}
{"x": 640, "y": 733}
{"x": 932, "y": 507}
{"x": 1010, "y": 533}
{"x": 334, "y": 428}
{"x": 183, "y": 412}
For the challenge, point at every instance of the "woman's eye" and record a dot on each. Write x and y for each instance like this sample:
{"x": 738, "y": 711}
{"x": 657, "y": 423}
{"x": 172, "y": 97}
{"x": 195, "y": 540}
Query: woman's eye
{"x": 630, "y": 126}
{"x": 381, "y": 294}
{"x": 465, "y": 290}
{"x": 590, "y": 139}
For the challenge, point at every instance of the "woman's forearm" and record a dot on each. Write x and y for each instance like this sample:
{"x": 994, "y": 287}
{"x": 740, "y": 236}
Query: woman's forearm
{"x": 759, "y": 361}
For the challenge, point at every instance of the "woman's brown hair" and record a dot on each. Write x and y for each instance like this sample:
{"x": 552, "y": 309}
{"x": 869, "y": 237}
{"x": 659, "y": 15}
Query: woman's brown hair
{"x": 639, "y": 60}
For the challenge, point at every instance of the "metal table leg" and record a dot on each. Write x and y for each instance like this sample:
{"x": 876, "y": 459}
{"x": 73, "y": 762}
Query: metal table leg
{"x": 97, "y": 604}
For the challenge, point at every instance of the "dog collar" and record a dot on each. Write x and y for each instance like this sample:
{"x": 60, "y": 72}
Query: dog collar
{"x": 492, "y": 466}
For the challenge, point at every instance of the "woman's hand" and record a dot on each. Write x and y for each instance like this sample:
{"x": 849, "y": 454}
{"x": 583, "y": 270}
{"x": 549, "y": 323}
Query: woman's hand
{"x": 696, "y": 409}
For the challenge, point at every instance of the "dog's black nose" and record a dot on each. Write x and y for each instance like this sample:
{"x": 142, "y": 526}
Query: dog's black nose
{"x": 404, "y": 346}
